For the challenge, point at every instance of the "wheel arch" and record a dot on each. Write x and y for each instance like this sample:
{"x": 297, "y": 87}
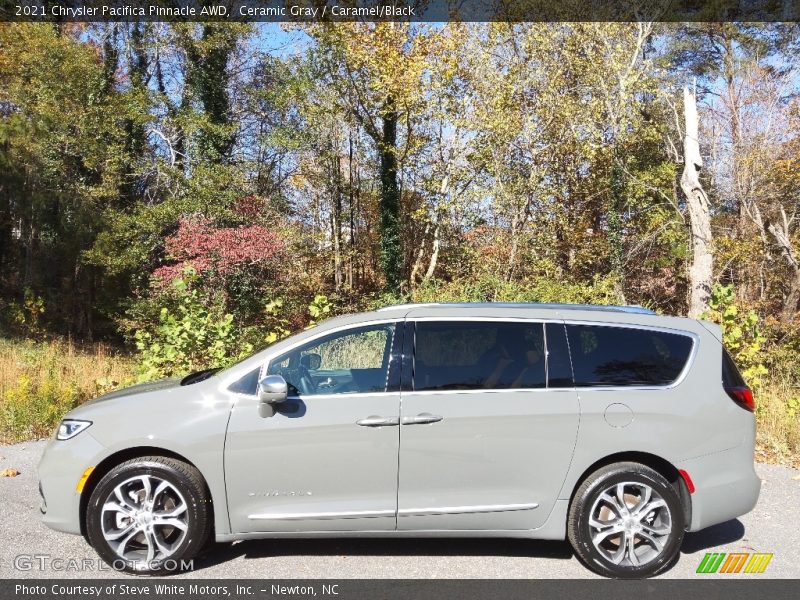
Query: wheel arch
{"x": 119, "y": 457}
{"x": 659, "y": 464}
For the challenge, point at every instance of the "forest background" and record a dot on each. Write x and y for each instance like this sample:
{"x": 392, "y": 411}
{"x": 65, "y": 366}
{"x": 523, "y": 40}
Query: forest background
{"x": 175, "y": 196}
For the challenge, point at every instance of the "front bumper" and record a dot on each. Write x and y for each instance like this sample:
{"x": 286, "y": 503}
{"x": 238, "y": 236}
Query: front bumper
{"x": 60, "y": 469}
{"x": 726, "y": 486}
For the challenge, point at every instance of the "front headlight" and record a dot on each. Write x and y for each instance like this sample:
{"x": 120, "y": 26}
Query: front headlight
{"x": 69, "y": 428}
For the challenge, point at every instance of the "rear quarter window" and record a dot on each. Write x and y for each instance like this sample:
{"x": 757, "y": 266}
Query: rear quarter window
{"x": 731, "y": 377}
{"x": 626, "y": 356}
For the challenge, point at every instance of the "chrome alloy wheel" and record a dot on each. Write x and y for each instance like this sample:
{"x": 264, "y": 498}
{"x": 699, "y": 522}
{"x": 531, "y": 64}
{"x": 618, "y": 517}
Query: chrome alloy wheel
{"x": 144, "y": 520}
{"x": 630, "y": 524}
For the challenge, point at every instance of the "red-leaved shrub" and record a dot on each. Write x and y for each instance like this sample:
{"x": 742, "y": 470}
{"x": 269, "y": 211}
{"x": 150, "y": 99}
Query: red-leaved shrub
{"x": 223, "y": 250}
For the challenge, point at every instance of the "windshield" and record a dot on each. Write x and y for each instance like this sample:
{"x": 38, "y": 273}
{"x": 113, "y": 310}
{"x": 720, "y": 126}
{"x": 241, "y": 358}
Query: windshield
{"x": 239, "y": 362}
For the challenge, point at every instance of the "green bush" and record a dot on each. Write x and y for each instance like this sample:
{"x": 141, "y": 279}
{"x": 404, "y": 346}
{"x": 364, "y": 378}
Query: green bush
{"x": 601, "y": 290}
{"x": 188, "y": 336}
{"x": 25, "y": 316}
{"x": 741, "y": 333}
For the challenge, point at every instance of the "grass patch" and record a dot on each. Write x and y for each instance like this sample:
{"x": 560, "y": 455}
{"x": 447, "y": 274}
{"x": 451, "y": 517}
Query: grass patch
{"x": 778, "y": 429}
{"x": 40, "y": 381}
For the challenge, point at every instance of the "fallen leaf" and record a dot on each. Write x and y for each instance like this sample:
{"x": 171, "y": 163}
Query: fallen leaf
{"x": 9, "y": 473}
{"x": 796, "y": 477}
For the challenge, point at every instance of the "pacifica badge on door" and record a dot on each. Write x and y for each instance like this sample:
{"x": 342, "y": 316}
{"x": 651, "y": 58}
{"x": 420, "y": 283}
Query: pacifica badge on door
{"x": 277, "y": 493}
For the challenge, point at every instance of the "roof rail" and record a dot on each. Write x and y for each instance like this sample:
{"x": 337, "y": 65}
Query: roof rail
{"x": 633, "y": 309}
{"x": 412, "y": 305}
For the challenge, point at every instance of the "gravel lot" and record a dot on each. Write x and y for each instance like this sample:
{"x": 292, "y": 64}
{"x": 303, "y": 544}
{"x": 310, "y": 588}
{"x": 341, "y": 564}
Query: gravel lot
{"x": 771, "y": 527}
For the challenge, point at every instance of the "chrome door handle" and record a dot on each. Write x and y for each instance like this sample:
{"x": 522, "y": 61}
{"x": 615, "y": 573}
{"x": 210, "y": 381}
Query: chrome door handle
{"x": 374, "y": 421}
{"x": 422, "y": 419}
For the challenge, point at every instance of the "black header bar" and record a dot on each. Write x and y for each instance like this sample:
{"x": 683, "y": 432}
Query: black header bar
{"x": 310, "y": 11}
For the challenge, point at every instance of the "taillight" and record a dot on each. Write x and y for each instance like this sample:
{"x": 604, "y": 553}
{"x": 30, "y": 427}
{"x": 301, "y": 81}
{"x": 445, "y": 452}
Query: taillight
{"x": 742, "y": 396}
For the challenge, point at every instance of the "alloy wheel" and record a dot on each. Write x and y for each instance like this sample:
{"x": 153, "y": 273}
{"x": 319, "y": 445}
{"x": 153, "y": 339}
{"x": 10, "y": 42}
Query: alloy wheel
{"x": 630, "y": 524}
{"x": 144, "y": 520}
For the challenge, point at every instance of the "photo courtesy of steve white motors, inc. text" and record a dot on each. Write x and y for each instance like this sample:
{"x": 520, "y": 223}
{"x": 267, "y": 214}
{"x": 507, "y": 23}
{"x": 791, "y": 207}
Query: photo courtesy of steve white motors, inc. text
{"x": 139, "y": 590}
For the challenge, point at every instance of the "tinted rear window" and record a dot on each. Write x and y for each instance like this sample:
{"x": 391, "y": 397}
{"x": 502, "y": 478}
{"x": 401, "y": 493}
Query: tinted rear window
{"x": 478, "y": 355}
{"x": 623, "y": 356}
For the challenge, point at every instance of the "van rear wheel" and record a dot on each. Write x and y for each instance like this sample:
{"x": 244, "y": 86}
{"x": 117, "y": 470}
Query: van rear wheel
{"x": 626, "y": 521}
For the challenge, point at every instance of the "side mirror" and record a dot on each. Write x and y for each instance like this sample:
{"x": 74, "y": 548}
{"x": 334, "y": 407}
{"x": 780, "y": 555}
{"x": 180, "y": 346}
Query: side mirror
{"x": 273, "y": 389}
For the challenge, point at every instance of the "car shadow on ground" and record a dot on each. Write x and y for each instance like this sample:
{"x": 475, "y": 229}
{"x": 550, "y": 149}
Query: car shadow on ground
{"x": 222, "y": 553}
{"x": 711, "y": 537}
{"x": 718, "y": 535}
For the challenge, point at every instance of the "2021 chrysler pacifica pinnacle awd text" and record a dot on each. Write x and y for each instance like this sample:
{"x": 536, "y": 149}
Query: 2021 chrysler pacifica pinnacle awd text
{"x": 610, "y": 426}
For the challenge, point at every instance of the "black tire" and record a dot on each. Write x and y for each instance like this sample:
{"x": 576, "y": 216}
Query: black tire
{"x": 187, "y": 485}
{"x": 580, "y": 532}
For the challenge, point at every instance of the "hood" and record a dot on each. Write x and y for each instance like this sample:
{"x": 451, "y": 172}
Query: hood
{"x": 141, "y": 388}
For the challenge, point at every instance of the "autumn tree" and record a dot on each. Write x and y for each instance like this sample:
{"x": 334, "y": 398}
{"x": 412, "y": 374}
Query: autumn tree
{"x": 63, "y": 149}
{"x": 377, "y": 70}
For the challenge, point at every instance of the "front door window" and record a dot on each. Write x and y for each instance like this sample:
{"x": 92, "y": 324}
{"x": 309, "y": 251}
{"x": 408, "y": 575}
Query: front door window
{"x": 355, "y": 361}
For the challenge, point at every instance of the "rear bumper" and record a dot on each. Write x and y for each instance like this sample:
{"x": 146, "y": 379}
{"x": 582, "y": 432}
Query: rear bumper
{"x": 726, "y": 486}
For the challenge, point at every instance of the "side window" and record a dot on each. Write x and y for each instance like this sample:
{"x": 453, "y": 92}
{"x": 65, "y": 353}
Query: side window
{"x": 346, "y": 362}
{"x": 475, "y": 355}
{"x": 623, "y": 356}
{"x": 247, "y": 384}
{"x": 731, "y": 377}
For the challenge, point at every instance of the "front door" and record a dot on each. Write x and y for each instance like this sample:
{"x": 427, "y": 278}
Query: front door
{"x": 327, "y": 459}
{"x": 485, "y": 442}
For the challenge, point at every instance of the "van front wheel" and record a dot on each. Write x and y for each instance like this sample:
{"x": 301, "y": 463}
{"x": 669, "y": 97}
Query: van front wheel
{"x": 149, "y": 516}
{"x": 626, "y": 521}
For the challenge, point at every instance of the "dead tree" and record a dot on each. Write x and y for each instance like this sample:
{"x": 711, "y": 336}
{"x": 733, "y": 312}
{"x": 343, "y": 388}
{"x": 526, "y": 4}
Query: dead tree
{"x": 701, "y": 270}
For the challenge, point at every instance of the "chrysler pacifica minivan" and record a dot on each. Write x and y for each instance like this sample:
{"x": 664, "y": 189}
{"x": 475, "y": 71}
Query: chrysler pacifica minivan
{"x": 611, "y": 427}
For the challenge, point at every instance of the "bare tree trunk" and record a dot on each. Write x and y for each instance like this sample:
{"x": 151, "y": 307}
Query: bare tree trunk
{"x": 512, "y": 256}
{"x": 338, "y": 263}
{"x": 417, "y": 267}
{"x": 434, "y": 250}
{"x": 793, "y": 297}
{"x": 444, "y": 189}
{"x": 351, "y": 191}
{"x": 781, "y": 234}
{"x": 701, "y": 271}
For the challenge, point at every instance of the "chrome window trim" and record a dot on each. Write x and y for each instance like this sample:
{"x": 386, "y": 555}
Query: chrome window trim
{"x": 431, "y": 392}
{"x": 482, "y": 390}
{"x": 346, "y": 395}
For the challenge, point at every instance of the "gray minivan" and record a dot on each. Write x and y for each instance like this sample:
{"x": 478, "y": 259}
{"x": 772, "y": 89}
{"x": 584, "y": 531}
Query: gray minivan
{"x": 613, "y": 427}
